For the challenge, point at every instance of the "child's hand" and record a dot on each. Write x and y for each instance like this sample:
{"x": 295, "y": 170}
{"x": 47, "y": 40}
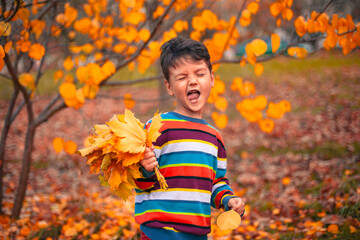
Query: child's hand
{"x": 237, "y": 204}
{"x": 149, "y": 162}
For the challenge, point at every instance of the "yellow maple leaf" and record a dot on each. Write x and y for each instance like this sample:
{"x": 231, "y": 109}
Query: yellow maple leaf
{"x": 153, "y": 131}
{"x": 124, "y": 190}
{"x": 116, "y": 176}
{"x": 228, "y": 220}
{"x": 133, "y": 136}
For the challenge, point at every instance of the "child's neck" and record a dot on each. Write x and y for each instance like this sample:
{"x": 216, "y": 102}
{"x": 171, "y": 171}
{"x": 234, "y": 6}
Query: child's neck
{"x": 197, "y": 115}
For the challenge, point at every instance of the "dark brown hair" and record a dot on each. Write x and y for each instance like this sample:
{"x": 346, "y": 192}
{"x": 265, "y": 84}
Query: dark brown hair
{"x": 178, "y": 49}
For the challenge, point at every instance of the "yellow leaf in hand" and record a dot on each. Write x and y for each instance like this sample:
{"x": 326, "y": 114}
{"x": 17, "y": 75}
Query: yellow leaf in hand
{"x": 153, "y": 131}
{"x": 228, "y": 220}
{"x": 116, "y": 176}
{"x": 123, "y": 190}
{"x": 132, "y": 134}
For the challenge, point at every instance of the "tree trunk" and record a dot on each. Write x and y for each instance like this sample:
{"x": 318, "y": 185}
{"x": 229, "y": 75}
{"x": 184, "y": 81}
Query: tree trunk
{"x": 25, "y": 171}
{"x": 4, "y": 134}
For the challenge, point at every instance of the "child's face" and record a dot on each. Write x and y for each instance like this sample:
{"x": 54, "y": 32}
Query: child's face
{"x": 190, "y": 82}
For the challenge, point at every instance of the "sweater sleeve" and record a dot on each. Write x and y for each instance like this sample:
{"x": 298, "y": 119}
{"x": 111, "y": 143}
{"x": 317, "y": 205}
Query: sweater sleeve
{"x": 147, "y": 181}
{"x": 221, "y": 191}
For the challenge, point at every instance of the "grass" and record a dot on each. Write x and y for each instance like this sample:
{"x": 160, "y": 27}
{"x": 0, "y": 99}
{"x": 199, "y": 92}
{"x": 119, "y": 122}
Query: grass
{"x": 327, "y": 150}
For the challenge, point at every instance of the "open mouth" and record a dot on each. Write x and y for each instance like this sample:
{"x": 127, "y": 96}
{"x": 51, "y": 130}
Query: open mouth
{"x": 193, "y": 95}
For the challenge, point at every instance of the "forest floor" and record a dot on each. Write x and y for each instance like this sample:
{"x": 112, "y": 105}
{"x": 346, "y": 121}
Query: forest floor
{"x": 302, "y": 181}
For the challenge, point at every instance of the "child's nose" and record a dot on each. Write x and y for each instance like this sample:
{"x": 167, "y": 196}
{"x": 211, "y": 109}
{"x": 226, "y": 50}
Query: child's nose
{"x": 193, "y": 80}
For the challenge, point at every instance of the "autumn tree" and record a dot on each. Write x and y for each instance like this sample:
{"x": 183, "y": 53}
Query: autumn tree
{"x": 94, "y": 39}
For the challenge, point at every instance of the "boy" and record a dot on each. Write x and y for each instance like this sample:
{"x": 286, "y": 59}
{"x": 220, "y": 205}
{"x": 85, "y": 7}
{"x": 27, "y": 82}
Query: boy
{"x": 189, "y": 152}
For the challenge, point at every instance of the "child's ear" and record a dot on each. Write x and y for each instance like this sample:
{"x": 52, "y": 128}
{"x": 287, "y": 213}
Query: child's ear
{"x": 212, "y": 78}
{"x": 169, "y": 90}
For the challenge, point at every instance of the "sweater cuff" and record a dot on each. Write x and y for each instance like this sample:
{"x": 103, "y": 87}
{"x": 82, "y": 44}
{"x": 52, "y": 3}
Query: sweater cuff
{"x": 226, "y": 201}
{"x": 146, "y": 173}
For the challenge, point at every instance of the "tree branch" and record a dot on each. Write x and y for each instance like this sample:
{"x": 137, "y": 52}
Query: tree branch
{"x": 19, "y": 87}
{"x": 324, "y": 9}
{"x": 135, "y": 99}
{"x": 233, "y": 28}
{"x": 120, "y": 83}
{"x": 44, "y": 116}
{"x": 14, "y": 12}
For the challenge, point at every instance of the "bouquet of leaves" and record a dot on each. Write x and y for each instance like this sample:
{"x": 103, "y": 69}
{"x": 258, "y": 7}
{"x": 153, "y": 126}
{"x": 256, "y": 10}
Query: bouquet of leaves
{"x": 116, "y": 148}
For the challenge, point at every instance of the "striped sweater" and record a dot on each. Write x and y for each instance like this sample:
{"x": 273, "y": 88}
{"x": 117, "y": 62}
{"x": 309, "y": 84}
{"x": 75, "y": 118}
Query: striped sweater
{"x": 192, "y": 159}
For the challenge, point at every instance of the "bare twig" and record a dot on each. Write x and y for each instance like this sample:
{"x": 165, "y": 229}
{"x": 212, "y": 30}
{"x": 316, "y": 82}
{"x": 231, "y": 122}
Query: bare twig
{"x": 135, "y": 99}
{"x": 324, "y": 9}
{"x": 231, "y": 32}
{"x": 45, "y": 116}
{"x": 14, "y": 12}
{"x": 120, "y": 83}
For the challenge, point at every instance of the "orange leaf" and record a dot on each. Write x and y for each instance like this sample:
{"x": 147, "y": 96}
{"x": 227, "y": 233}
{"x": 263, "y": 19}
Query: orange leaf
{"x": 129, "y": 102}
{"x": 253, "y": 7}
{"x": 7, "y": 47}
{"x": 286, "y": 106}
{"x": 2, "y": 64}
{"x": 5, "y": 28}
{"x": 286, "y": 180}
{"x": 108, "y": 68}
{"x": 275, "y": 9}
{"x": 129, "y": 3}
{"x": 27, "y": 80}
{"x": 275, "y": 111}
{"x": 221, "y": 120}
{"x": 221, "y": 103}
{"x": 67, "y": 90}
{"x": 245, "y": 19}
{"x": 266, "y": 125}
{"x": 198, "y": 23}
{"x": 37, "y": 26}
{"x": 258, "y": 69}
{"x": 179, "y": 26}
{"x": 90, "y": 91}
{"x": 237, "y": 83}
{"x": 260, "y": 102}
{"x": 58, "y": 144}
{"x": 228, "y": 220}
{"x": 115, "y": 178}
{"x": 133, "y": 136}
{"x": 58, "y": 75}
{"x": 153, "y": 131}
{"x": 70, "y": 147}
{"x": 144, "y": 34}
{"x": 68, "y": 63}
{"x": 287, "y": 14}
{"x": 158, "y": 12}
{"x": 36, "y": 51}
{"x": 333, "y": 228}
{"x": 300, "y": 26}
{"x": 275, "y": 42}
{"x": 256, "y": 47}
{"x": 123, "y": 190}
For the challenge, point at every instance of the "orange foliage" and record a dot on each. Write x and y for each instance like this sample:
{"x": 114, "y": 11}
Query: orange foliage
{"x": 117, "y": 148}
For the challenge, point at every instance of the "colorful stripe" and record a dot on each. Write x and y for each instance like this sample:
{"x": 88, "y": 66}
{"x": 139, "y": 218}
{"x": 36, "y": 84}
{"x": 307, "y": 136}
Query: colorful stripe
{"x": 192, "y": 158}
